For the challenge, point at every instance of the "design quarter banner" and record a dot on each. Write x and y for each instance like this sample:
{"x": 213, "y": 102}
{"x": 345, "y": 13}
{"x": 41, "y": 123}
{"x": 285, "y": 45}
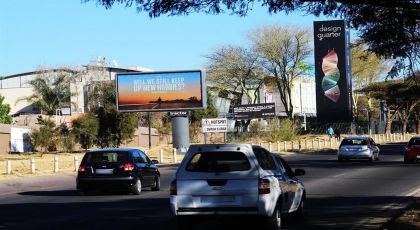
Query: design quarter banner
{"x": 332, "y": 71}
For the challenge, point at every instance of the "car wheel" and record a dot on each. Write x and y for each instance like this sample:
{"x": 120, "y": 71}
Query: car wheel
{"x": 184, "y": 223}
{"x": 274, "y": 222}
{"x": 136, "y": 188}
{"x": 156, "y": 186}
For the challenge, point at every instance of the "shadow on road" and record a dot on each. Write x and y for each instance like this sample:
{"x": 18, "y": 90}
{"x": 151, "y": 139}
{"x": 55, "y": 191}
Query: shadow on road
{"x": 97, "y": 212}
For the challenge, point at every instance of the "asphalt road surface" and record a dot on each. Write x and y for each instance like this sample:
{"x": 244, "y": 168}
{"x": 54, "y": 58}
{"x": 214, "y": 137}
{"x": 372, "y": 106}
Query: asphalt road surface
{"x": 340, "y": 195}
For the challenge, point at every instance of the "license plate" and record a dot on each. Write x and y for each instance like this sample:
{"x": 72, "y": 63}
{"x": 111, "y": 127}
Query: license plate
{"x": 104, "y": 171}
{"x": 418, "y": 156}
{"x": 217, "y": 199}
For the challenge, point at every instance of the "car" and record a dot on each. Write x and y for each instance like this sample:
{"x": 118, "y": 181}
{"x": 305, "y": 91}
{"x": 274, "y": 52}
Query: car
{"x": 234, "y": 180}
{"x": 358, "y": 147}
{"x": 117, "y": 169}
{"x": 412, "y": 150}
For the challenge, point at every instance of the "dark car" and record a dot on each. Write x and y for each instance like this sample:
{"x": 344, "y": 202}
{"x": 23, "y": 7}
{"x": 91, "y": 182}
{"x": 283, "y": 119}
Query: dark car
{"x": 117, "y": 169}
{"x": 412, "y": 150}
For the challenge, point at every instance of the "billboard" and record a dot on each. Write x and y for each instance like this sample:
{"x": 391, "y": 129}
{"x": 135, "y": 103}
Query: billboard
{"x": 161, "y": 91}
{"x": 332, "y": 71}
{"x": 245, "y": 112}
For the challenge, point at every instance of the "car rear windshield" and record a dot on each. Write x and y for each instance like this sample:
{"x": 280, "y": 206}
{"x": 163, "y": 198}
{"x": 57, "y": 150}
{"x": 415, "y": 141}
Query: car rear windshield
{"x": 414, "y": 141}
{"x": 354, "y": 142}
{"x": 218, "y": 162}
{"x": 112, "y": 157}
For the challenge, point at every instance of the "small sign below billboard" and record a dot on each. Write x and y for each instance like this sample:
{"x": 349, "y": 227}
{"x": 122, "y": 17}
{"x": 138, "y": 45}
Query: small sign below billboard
{"x": 178, "y": 113}
{"x": 214, "y": 125}
{"x": 245, "y": 112}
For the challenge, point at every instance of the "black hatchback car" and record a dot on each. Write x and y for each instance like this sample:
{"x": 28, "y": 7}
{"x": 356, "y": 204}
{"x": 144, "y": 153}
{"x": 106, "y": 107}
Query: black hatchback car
{"x": 117, "y": 169}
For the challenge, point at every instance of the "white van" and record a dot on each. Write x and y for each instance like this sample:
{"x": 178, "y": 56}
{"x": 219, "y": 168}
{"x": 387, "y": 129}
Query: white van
{"x": 234, "y": 179}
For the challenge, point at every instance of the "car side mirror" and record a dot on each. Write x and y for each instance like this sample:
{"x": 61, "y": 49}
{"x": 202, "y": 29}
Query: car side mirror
{"x": 155, "y": 162}
{"x": 299, "y": 172}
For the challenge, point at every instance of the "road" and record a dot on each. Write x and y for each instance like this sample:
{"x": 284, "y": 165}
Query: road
{"x": 340, "y": 195}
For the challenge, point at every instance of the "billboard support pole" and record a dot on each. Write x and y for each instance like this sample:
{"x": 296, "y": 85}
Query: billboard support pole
{"x": 150, "y": 129}
{"x": 205, "y": 138}
{"x": 180, "y": 133}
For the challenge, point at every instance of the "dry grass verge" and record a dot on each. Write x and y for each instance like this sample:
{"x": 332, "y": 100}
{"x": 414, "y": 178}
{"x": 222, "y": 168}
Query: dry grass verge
{"x": 408, "y": 220}
{"x": 44, "y": 163}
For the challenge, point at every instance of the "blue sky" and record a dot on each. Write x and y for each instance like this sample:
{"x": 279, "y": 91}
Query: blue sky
{"x": 55, "y": 33}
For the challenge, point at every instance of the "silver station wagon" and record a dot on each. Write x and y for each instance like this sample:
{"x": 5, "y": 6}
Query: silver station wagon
{"x": 235, "y": 179}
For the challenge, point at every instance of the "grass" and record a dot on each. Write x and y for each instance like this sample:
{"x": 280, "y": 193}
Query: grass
{"x": 44, "y": 163}
{"x": 408, "y": 220}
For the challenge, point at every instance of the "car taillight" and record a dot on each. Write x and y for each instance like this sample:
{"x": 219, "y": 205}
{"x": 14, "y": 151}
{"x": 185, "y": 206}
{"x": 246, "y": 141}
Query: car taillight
{"x": 128, "y": 167}
{"x": 82, "y": 168}
{"x": 263, "y": 186}
{"x": 172, "y": 188}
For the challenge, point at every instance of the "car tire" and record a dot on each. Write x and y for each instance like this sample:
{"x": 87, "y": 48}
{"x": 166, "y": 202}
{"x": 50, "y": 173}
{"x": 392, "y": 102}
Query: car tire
{"x": 184, "y": 223}
{"x": 156, "y": 186}
{"x": 136, "y": 188}
{"x": 274, "y": 222}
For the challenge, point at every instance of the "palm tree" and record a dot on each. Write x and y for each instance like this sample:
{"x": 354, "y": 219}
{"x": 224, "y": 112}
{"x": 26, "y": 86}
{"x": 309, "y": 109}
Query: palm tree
{"x": 50, "y": 93}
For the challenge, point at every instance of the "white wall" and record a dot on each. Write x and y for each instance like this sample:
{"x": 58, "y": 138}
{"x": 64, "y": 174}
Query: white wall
{"x": 11, "y": 97}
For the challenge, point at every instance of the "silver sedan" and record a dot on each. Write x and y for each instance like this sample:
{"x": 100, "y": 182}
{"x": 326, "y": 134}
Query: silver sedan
{"x": 358, "y": 147}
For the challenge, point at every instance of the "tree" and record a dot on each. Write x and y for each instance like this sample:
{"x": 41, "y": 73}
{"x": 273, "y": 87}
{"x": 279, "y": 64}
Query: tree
{"x": 366, "y": 69}
{"x": 85, "y": 129}
{"x": 391, "y": 31}
{"x": 198, "y": 115}
{"x": 5, "y": 118}
{"x": 114, "y": 127}
{"x": 281, "y": 51}
{"x": 232, "y": 68}
{"x": 400, "y": 97}
{"x": 50, "y": 92}
{"x": 409, "y": 98}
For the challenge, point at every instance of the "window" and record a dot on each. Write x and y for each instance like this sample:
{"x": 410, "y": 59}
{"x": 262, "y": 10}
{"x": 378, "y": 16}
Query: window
{"x": 111, "y": 157}
{"x": 414, "y": 141}
{"x": 289, "y": 171}
{"x": 354, "y": 142}
{"x": 264, "y": 158}
{"x": 144, "y": 158}
{"x": 218, "y": 162}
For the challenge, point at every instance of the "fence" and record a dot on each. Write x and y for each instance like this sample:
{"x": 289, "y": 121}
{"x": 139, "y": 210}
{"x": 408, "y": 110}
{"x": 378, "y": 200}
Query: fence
{"x": 52, "y": 164}
{"x": 324, "y": 142}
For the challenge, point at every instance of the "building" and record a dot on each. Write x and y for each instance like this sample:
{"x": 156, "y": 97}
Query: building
{"x": 16, "y": 87}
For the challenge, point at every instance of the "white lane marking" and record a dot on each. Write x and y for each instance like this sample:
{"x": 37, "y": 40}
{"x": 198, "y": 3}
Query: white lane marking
{"x": 339, "y": 175}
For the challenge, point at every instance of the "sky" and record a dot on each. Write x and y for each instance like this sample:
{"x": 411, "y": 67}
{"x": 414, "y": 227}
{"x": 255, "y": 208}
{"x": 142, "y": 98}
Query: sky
{"x": 51, "y": 33}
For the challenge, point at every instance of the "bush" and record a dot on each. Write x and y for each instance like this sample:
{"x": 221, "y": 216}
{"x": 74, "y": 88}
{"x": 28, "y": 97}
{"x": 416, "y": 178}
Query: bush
{"x": 45, "y": 138}
{"x": 85, "y": 130}
{"x": 281, "y": 131}
{"x": 255, "y": 127}
{"x": 195, "y": 130}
